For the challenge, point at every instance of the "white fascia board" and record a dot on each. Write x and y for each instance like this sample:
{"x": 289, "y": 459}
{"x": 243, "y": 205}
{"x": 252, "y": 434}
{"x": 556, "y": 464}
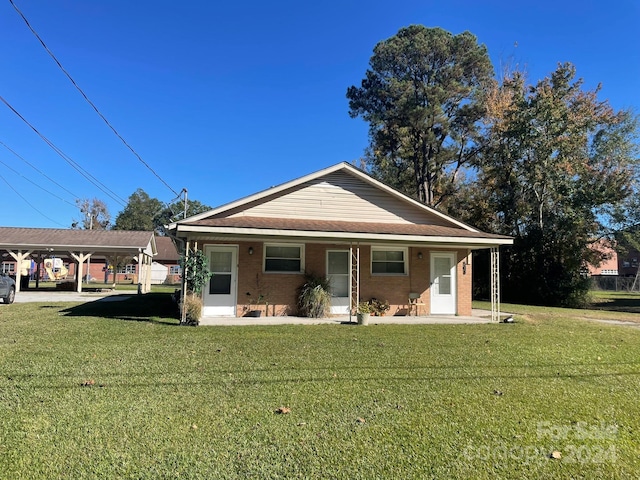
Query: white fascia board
{"x": 342, "y": 236}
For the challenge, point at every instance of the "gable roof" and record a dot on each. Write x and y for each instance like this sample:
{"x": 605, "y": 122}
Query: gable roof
{"x": 166, "y": 249}
{"x": 99, "y": 241}
{"x": 337, "y": 202}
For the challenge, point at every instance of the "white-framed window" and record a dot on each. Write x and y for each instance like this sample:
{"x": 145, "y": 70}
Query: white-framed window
{"x": 8, "y": 267}
{"x": 127, "y": 269}
{"x": 609, "y": 272}
{"x": 175, "y": 270}
{"x": 389, "y": 260}
{"x": 283, "y": 258}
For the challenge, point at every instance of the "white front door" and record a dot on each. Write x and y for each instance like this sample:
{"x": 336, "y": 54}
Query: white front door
{"x": 220, "y": 295}
{"x": 443, "y": 283}
{"x": 338, "y": 275}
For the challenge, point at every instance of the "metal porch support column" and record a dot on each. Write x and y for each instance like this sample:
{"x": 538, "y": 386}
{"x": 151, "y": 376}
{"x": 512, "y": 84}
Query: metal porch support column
{"x": 183, "y": 290}
{"x": 495, "y": 284}
{"x": 354, "y": 279}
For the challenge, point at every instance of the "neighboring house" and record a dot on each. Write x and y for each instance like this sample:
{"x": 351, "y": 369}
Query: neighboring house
{"x": 609, "y": 265}
{"x": 168, "y": 258}
{"x": 368, "y": 239}
{"x": 164, "y": 269}
{"x": 628, "y": 263}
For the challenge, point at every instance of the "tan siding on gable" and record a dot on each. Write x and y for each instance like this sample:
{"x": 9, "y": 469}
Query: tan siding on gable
{"x": 342, "y": 197}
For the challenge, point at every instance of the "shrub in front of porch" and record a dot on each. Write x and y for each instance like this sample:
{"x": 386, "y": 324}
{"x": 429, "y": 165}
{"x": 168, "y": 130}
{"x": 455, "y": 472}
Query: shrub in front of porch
{"x": 195, "y": 266}
{"x": 314, "y": 297}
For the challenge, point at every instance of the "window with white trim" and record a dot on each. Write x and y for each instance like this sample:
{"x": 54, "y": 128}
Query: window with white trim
{"x": 389, "y": 260}
{"x": 8, "y": 267}
{"x": 128, "y": 269}
{"x": 283, "y": 258}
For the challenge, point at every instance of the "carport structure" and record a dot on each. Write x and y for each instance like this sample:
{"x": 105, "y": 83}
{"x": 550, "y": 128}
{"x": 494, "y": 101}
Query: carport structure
{"x": 80, "y": 245}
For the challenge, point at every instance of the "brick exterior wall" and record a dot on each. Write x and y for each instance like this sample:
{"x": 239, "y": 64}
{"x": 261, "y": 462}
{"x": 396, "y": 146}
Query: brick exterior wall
{"x": 464, "y": 276}
{"x": 280, "y": 289}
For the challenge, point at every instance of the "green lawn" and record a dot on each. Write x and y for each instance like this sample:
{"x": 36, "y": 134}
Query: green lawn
{"x": 121, "y": 391}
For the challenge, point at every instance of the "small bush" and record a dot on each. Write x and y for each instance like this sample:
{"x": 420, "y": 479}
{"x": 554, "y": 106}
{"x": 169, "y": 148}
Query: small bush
{"x": 364, "y": 307}
{"x": 193, "y": 310}
{"x": 379, "y": 307}
{"x": 314, "y": 298}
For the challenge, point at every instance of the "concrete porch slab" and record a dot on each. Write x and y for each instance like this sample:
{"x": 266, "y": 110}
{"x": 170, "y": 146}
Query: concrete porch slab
{"x": 479, "y": 316}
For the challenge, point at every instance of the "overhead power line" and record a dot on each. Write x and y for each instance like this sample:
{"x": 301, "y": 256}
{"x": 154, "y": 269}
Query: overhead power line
{"x": 34, "y": 183}
{"x": 27, "y": 202}
{"x": 68, "y": 159}
{"x": 39, "y": 171}
{"x": 84, "y": 95}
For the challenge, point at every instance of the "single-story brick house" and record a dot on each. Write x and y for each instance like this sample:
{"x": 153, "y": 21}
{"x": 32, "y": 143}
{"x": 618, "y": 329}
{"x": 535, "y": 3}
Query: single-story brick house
{"x": 368, "y": 239}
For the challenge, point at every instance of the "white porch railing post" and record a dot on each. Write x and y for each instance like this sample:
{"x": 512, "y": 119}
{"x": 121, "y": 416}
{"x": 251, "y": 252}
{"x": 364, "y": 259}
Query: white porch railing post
{"x": 495, "y": 284}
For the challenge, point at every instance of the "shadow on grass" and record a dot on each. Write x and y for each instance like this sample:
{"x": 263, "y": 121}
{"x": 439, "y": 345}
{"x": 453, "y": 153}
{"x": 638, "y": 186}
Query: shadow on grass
{"x": 151, "y": 307}
{"x": 617, "y": 304}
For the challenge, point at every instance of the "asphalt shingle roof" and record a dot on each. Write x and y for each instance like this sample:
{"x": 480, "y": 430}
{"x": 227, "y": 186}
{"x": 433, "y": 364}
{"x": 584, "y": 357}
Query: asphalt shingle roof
{"x": 342, "y": 227}
{"x": 66, "y": 238}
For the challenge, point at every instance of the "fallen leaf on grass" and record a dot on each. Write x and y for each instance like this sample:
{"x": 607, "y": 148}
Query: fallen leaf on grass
{"x": 555, "y": 455}
{"x": 283, "y": 410}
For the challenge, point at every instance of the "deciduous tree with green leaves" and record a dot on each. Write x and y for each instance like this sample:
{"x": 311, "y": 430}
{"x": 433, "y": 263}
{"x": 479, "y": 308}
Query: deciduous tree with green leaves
{"x": 146, "y": 213}
{"x": 559, "y": 163}
{"x": 175, "y": 211}
{"x": 140, "y": 212}
{"x": 422, "y": 97}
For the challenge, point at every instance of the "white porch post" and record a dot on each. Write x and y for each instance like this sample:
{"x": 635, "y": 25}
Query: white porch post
{"x": 19, "y": 256}
{"x": 495, "y": 284}
{"x": 144, "y": 273}
{"x": 141, "y": 272}
{"x": 183, "y": 292}
{"x": 80, "y": 258}
{"x": 149, "y": 262}
{"x": 354, "y": 279}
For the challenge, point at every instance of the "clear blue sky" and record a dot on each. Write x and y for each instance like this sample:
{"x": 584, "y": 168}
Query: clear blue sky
{"x": 228, "y": 98}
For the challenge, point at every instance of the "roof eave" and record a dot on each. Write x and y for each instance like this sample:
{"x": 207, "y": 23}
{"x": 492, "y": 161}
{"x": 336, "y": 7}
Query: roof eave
{"x": 345, "y": 236}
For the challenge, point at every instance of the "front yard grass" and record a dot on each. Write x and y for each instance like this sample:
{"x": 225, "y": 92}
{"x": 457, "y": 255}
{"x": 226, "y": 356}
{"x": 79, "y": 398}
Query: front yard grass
{"x": 121, "y": 391}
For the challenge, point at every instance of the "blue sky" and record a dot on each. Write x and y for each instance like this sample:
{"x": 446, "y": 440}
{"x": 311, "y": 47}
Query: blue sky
{"x": 228, "y": 98}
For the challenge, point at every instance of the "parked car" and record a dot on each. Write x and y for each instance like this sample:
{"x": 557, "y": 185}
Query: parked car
{"x": 7, "y": 288}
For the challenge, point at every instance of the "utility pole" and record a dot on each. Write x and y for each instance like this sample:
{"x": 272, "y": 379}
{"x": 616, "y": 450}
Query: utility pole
{"x": 184, "y": 190}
